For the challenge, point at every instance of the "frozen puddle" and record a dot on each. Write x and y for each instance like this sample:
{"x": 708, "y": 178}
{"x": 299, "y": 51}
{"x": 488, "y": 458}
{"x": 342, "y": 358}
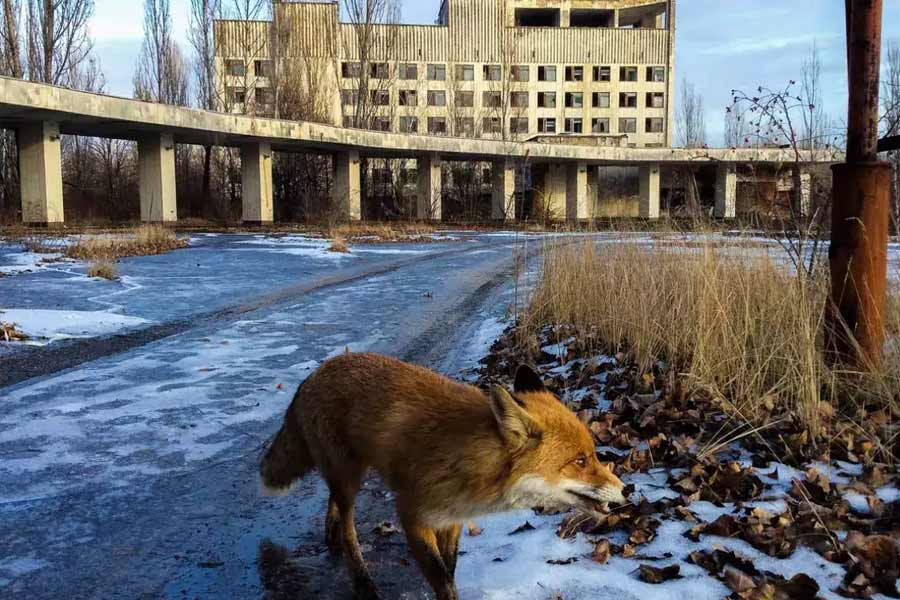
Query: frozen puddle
{"x": 45, "y": 326}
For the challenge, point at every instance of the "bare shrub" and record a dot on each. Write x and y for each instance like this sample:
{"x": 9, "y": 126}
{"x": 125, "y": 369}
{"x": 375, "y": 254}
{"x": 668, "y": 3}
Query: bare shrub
{"x": 339, "y": 245}
{"x": 145, "y": 240}
{"x": 104, "y": 269}
{"x": 734, "y": 322}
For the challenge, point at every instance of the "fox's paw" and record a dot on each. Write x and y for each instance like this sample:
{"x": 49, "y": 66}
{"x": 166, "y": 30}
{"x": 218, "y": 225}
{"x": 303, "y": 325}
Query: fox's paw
{"x": 364, "y": 589}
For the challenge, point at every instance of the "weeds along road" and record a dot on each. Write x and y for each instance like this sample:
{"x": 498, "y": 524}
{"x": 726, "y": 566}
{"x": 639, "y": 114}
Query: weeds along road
{"x": 129, "y": 465}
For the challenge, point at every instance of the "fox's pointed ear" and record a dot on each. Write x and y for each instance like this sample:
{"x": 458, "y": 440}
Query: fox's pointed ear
{"x": 528, "y": 381}
{"x": 517, "y": 428}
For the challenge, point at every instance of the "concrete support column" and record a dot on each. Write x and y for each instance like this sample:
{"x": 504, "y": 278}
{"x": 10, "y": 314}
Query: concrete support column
{"x": 805, "y": 193}
{"x": 554, "y": 191}
{"x": 156, "y": 168}
{"x": 577, "y": 208}
{"x": 428, "y": 198}
{"x": 256, "y": 184}
{"x": 503, "y": 204}
{"x": 726, "y": 191}
{"x": 40, "y": 165}
{"x": 346, "y": 191}
{"x": 649, "y": 191}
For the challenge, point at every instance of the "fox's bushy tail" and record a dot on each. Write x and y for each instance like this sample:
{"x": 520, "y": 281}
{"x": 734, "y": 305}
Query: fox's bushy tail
{"x": 287, "y": 459}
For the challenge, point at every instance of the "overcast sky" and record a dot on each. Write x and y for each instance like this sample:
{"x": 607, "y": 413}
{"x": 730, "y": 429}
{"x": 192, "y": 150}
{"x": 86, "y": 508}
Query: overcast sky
{"x": 721, "y": 44}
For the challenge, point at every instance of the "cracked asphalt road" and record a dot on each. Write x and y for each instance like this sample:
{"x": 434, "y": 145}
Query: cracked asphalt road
{"x": 129, "y": 471}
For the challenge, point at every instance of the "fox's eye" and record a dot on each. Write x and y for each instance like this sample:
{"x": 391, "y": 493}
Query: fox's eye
{"x": 581, "y": 462}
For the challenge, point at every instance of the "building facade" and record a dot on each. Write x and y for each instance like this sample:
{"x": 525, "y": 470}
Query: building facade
{"x": 502, "y": 69}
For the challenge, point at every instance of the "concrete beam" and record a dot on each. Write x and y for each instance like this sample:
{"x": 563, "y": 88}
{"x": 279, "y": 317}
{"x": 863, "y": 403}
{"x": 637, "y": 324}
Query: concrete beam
{"x": 346, "y": 191}
{"x": 40, "y": 165}
{"x": 428, "y": 198}
{"x": 156, "y": 171}
{"x": 503, "y": 204}
{"x": 649, "y": 192}
{"x": 726, "y": 191}
{"x": 256, "y": 183}
{"x": 577, "y": 208}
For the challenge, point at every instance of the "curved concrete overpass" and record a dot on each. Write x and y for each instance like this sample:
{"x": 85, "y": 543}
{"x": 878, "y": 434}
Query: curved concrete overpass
{"x": 40, "y": 113}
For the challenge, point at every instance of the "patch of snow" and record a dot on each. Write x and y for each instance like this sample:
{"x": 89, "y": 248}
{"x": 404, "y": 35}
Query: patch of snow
{"x": 45, "y": 326}
{"x": 26, "y": 262}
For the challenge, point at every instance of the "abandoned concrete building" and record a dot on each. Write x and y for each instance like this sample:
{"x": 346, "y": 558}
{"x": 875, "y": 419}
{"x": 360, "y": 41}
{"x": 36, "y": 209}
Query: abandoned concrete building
{"x": 510, "y": 69}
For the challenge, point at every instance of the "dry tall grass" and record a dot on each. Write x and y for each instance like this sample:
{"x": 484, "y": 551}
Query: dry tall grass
{"x": 734, "y": 322}
{"x": 105, "y": 269}
{"x": 144, "y": 240}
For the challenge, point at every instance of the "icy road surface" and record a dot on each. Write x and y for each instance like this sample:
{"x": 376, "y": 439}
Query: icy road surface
{"x": 133, "y": 474}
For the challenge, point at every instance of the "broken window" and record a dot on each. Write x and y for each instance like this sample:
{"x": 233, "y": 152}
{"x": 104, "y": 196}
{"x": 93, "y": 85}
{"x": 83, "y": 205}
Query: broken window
{"x": 408, "y": 71}
{"x": 518, "y": 125}
{"x": 656, "y": 74}
{"x": 591, "y": 18}
{"x": 235, "y": 68}
{"x": 547, "y": 125}
{"x": 437, "y": 72}
{"x": 521, "y": 73}
{"x": 235, "y": 95}
{"x": 628, "y": 74}
{"x": 547, "y": 99}
{"x": 518, "y": 99}
{"x": 437, "y": 98}
{"x": 574, "y": 126}
{"x": 654, "y": 125}
{"x": 491, "y": 100}
{"x": 350, "y": 97}
{"x": 628, "y": 100}
{"x": 600, "y": 99}
{"x": 627, "y": 125}
{"x": 492, "y": 125}
{"x": 465, "y": 126}
{"x": 575, "y": 73}
{"x": 537, "y": 17}
{"x": 381, "y": 97}
{"x": 602, "y": 74}
{"x": 437, "y": 125}
{"x": 574, "y": 99}
{"x": 492, "y": 72}
{"x": 656, "y": 100}
{"x": 350, "y": 70}
{"x": 464, "y": 99}
{"x": 379, "y": 71}
{"x": 263, "y": 68}
{"x": 408, "y": 98}
{"x": 547, "y": 73}
{"x": 409, "y": 124}
{"x": 600, "y": 125}
{"x": 465, "y": 72}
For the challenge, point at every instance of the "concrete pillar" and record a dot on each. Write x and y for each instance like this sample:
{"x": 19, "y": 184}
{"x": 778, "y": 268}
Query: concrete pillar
{"x": 346, "y": 194}
{"x": 40, "y": 166}
{"x": 156, "y": 169}
{"x": 726, "y": 191}
{"x": 649, "y": 191}
{"x": 554, "y": 192}
{"x": 577, "y": 208}
{"x": 593, "y": 189}
{"x": 503, "y": 205}
{"x": 256, "y": 183}
{"x": 805, "y": 193}
{"x": 428, "y": 198}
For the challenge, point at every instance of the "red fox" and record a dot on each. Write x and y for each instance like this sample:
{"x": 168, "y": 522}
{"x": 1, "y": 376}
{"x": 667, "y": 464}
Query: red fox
{"x": 449, "y": 452}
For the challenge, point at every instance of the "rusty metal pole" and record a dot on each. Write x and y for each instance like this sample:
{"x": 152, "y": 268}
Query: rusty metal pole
{"x": 860, "y": 205}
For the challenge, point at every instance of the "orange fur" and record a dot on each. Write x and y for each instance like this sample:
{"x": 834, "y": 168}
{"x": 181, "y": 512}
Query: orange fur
{"x": 448, "y": 451}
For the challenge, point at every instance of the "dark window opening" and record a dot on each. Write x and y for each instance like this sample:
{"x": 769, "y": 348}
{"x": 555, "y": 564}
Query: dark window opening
{"x": 591, "y": 18}
{"x": 537, "y": 17}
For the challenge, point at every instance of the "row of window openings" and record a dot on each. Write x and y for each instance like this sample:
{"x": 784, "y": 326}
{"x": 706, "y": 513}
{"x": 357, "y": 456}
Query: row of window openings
{"x": 261, "y": 68}
{"x": 464, "y": 99}
{"x": 265, "y": 96}
{"x": 466, "y": 125}
{"x": 436, "y": 72}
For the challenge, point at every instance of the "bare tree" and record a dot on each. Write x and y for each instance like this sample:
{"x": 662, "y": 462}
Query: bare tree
{"x": 57, "y": 38}
{"x": 11, "y": 39}
{"x": 816, "y": 124}
{"x": 690, "y": 124}
{"x": 161, "y": 74}
{"x": 202, "y": 39}
{"x": 890, "y": 99}
{"x": 735, "y": 134}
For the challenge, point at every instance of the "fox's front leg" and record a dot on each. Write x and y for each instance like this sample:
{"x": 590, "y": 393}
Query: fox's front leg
{"x": 448, "y": 544}
{"x": 423, "y": 542}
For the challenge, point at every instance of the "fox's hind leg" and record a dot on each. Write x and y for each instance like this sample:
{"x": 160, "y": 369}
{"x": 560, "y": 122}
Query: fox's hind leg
{"x": 448, "y": 544}
{"x": 341, "y": 526}
{"x": 425, "y": 545}
{"x": 334, "y": 535}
